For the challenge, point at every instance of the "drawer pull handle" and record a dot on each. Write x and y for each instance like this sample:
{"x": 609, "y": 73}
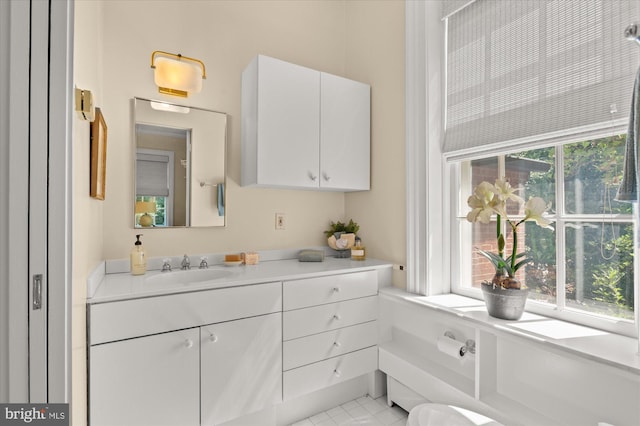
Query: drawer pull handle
{"x": 213, "y": 338}
{"x": 336, "y": 317}
{"x": 188, "y": 343}
{"x": 336, "y": 289}
{"x": 337, "y": 344}
{"x": 337, "y": 373}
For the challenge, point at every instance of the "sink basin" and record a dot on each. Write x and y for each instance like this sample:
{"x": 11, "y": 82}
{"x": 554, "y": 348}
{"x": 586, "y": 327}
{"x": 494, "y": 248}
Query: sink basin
{"x": 188, "y": 277}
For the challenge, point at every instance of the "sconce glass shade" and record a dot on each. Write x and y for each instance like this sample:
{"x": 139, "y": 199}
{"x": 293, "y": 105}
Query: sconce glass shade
{"x": 177, "y": 77}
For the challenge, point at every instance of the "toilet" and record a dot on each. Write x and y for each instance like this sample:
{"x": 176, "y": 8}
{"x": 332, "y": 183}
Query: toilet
{"x": 446, "y": 415}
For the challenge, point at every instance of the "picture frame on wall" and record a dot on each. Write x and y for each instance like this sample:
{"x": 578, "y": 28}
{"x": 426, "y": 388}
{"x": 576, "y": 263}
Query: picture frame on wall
{"x": 98, "y": 138}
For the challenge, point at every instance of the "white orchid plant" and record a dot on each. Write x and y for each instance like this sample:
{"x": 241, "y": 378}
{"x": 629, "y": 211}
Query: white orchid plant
{"x": 487, "y": 200}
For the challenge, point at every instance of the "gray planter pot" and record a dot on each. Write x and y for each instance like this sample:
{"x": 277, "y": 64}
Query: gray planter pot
{"x": 504, "y": 303}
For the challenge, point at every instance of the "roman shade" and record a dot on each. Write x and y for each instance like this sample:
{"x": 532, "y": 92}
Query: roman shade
{"x": 531, "y": 72}
{"x": 152, "y": 175}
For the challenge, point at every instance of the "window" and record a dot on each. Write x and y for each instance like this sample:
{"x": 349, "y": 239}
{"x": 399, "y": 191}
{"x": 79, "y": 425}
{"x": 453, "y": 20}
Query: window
{"x": 583, "y": 270}
{"x": 537, "y": 91}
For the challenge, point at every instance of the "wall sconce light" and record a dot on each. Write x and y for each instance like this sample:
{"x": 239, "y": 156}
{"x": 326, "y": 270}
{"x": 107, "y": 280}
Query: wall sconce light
{"x": 144, "y": 208}
{"x": 84, "y": 104}
{"x": 177, "y": 75}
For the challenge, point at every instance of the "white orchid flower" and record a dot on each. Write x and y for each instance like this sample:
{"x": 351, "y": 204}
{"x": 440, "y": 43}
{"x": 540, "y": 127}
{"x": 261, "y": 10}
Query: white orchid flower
{"x": 505, "y": 191}
{"x": 534, "y": 211}
{"x": 482, "y": 203}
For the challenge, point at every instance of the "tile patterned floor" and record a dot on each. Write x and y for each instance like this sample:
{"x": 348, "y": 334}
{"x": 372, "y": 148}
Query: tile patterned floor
{"x": 361, "y": 411}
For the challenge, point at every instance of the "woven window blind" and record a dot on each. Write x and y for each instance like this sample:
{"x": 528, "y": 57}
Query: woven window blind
{"x": 152, "y": 175}
{"x": 524, "y": 71}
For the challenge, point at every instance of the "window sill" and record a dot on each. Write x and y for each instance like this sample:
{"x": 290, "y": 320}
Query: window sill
{"x": 562, "y": 337}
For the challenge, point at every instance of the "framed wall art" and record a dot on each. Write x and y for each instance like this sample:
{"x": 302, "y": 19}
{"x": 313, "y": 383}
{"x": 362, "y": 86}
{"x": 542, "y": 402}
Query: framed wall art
{"x": 98, "y": 156}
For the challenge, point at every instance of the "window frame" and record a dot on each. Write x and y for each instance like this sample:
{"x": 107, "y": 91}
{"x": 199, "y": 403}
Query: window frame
{"x": 460, "y": 184}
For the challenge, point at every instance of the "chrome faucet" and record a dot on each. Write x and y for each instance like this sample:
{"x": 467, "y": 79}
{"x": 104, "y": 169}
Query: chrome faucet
{"x": 203, "y": 263}
{"x": 186, "y": 263}
{"x": 166, "y": 265}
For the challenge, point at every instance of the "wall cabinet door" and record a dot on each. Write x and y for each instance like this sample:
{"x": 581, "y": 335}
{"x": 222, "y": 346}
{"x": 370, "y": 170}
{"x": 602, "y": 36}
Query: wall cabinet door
{"x": 241, "y": 367}
{"x": 281, "y": 124}
{"x": 304, "y": 129}
{"x": 344, "y": 134}
{"x": 146, "y": 381}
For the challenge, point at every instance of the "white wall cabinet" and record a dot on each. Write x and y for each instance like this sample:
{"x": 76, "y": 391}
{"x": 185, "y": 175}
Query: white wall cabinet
{"x": 302, "y": 128}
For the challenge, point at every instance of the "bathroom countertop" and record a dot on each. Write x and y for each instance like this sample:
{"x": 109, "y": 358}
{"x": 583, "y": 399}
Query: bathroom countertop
{"x": 123, "y": 286}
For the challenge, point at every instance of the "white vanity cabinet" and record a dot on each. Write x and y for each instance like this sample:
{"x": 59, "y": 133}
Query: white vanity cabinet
{"x": 150, "y": 380}
{"x": 329, "y": 331}
{"x": 186, "y": 359}
{"x": 241, "y": 367}
{"x": 303, "y": 128}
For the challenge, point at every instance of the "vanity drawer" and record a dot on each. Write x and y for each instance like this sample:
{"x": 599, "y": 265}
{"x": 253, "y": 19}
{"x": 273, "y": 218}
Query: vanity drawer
{"x": 139, "y": 317}
{"x": 335, "y": 288}
{"x": 318, "y": 347}
{"x": 326, "y": 373}
{"x": 317, "y": 319}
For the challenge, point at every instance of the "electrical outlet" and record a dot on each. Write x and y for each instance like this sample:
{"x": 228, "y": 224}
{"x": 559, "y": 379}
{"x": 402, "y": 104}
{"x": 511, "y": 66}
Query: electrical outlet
{"x": 280, "y": 221}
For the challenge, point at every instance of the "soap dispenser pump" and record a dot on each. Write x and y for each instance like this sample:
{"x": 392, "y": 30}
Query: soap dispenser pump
{"x": 138, "y": 258}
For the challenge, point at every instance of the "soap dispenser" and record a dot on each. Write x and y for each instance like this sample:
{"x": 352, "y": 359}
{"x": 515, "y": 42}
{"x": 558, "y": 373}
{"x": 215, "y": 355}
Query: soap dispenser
{"x": 138, "y": 258}
{"x": 358, "y": 251}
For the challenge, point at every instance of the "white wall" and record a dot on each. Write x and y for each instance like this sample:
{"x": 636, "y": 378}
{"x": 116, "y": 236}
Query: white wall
{"x": 362, "y": 40}
{"x": 226, "y": 35}
{"x": 375, "y": 54}
{"x": 88, "y": 213}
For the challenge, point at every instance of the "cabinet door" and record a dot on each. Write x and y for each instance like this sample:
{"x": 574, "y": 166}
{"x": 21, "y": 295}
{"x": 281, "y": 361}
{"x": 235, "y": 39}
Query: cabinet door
{"x": 146, "y": 381}
{"x": 344, "y": 134}
{"x": 288, "y": 124}
{"x": 241, "y": 367}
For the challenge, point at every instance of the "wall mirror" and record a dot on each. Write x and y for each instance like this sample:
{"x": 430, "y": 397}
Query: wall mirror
{"x": 180, "y": 165}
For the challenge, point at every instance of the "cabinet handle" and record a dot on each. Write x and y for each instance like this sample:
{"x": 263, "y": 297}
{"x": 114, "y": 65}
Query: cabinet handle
{"x": 213, "y": 338}
{"x": 337, "y": 373}
{"x": 337, "y": 344}
{"x": 188, "y": 343}
{"x": 312, "y": 176}
{"x": 336, "y": 289}
{"x": 337, "y": 317}
{"x": 326, "y": 177}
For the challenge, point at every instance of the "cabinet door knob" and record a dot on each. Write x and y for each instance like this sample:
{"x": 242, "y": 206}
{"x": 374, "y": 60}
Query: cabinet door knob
{"x": 312, "y": 176}
{"x": 188, "y": 343}
{"x": 337, "y": 317}
{"x": 336, "y": 289}
{"x": 326, "y": 177}
{"x": 337, "y": 344}
{"x": 213, "y": 338}
{"x": 337, "y": 373}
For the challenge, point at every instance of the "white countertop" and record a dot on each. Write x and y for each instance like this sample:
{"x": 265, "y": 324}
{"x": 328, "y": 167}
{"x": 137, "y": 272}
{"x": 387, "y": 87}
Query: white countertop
{"x": 615, "y": 350}
{"x": 122, "y": 286}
